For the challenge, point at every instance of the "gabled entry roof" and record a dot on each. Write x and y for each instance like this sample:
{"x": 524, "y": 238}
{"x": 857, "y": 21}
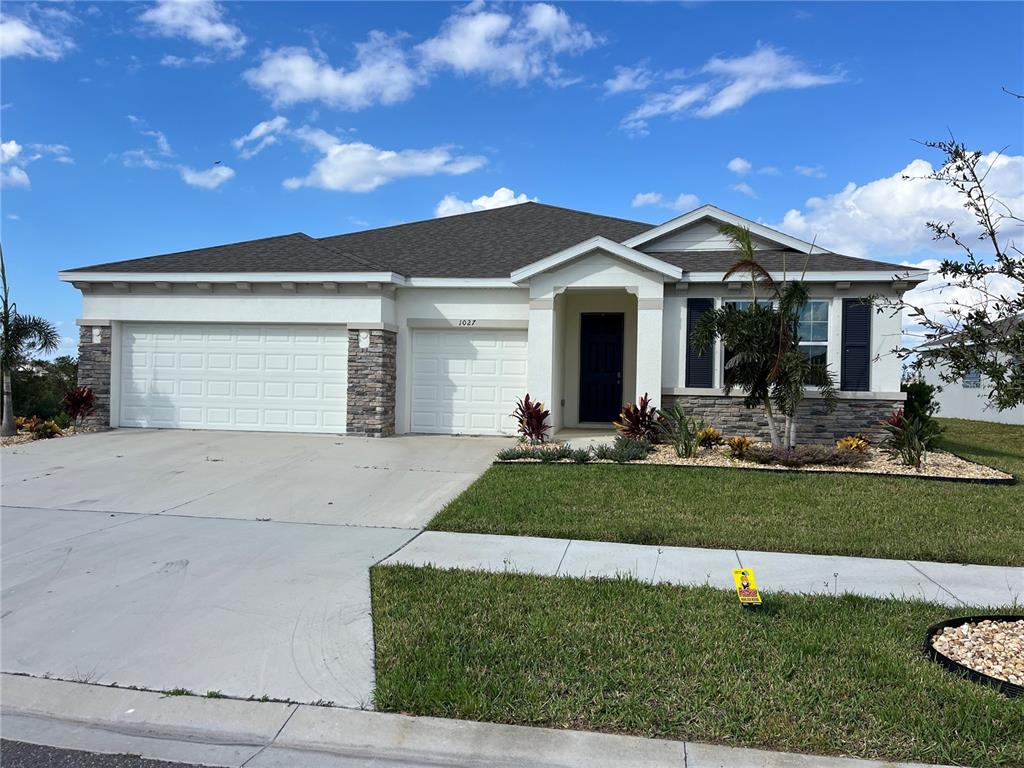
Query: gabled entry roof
{"x": 639, "y": 258}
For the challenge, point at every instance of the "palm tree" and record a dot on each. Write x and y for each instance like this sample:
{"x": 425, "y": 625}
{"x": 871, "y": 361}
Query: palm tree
{"x": 765, "y": 359}
{"x": 23, "y": 335}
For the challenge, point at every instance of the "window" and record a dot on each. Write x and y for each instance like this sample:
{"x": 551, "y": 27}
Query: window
{"x": 813, "y": 331}
{"x": 741, "y": 304}
{"x": 972, "y": 379}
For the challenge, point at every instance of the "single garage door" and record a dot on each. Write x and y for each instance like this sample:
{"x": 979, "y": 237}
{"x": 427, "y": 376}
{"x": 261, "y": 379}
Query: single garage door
{"x": 467, "y": 381}
{"x": 270, "y": 378}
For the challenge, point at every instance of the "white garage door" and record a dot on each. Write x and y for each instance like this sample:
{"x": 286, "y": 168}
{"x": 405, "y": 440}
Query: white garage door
{"x": 270, "y": 378}
{"x": 467, "y": 381}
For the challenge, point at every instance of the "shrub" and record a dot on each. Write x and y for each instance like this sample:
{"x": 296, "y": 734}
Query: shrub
{"x": 531, "y": 416}
{"x": 623, "y": 449}
{"x": 639, "y": 421}
{"x": 708, "y": 437}
{"x": 678, "y": 431}
{"x": 78, "y": 403}
{"x": 739, "y": 445}
{"x": 44, "y": 430}
{"x": 581, "y": 456}
{"x": 62, "y": 420}
{"x": 852, "y": 443}
{"x": 920, "y": 403}
{"x": 908, "y": 440}
{"x": 804, "y": 455}
{"x": 543, "y": 454}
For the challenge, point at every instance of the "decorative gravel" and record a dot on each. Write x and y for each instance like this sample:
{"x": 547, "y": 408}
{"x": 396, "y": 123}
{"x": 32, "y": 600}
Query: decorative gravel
{"x": 994, "y": 648}
{"x": 16, "y": 440}
{"x": 940, "y": 464}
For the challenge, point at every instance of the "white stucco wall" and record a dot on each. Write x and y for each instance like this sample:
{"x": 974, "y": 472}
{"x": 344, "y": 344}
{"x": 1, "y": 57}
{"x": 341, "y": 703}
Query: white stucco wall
{"x": 959, "y": 402}
{"x": 227, "y": 304}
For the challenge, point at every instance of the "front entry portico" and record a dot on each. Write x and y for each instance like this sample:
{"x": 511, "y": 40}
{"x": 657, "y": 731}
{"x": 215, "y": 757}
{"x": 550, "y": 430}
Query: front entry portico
{"x": 579, "y": 301}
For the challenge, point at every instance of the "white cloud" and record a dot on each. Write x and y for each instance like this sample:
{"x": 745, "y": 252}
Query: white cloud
{"x": 145, "y": 157}
{"x": 503, "y": 46}
{"x": 13, "y": 176}
{"x": 177, "y": 62}
{"x": 769, "y": 170}
{"x": 937, "y": 297}
{"x": 42, "y": 38}
{"x": 211, "y": 178}
{"x": 261, "y": 136}
{"x": 814, "y": 171}
{"x": 361, "y": 167}
{"x": 381, "y": 76}
{"x": 141, "y": 158}
{"x": 729, "y": 84}
{"x": 682, "y": 202}
{"x": 9, "y": 150}
{"x": 14, "y": 158}
{"x": 503, "y": 196}
{"x": 739, "y": 166}
{"x": 201, "y": 21}
{"x": 887, "y": 217}
{"x": 744, "y": 189}
{"x": 628, "y": 79}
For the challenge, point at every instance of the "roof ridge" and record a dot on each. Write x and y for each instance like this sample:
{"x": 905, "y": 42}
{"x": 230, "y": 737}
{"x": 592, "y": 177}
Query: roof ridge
{"x": 499, "y": 209}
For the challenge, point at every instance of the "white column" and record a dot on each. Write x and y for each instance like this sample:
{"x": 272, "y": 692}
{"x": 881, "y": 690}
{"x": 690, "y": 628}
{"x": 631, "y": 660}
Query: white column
{"x": 540, "y": 338}
{"x": 649, "y": 317}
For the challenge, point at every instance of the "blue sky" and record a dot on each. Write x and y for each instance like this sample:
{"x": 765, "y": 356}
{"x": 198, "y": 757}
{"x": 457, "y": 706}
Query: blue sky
{"x": 332, "y": 117}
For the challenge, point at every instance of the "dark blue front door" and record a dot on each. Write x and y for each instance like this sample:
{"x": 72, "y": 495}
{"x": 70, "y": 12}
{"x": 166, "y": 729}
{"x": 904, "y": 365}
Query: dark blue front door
{"x": 601, "y": 341}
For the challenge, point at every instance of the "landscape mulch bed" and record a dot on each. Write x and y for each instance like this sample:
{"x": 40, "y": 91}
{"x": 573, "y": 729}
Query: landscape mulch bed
{"x": 940, "y": 465}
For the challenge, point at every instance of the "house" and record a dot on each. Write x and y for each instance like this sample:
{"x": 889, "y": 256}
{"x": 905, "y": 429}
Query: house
{"x": 968, "y": 398}
{"x": 438, "y": 326}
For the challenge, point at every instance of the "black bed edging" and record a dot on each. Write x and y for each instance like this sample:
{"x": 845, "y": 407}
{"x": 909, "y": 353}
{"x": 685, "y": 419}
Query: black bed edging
{"x": 1011, "y": 480}
{"x": 1010, "y": 689}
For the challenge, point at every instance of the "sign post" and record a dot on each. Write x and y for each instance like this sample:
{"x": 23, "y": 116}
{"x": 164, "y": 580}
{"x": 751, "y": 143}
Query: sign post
{"x": 746, "y": 586}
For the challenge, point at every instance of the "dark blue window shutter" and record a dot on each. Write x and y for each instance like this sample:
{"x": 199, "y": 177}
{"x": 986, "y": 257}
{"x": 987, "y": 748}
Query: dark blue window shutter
{"x": 699, "y": 368}
{"x": 855, "y": 370}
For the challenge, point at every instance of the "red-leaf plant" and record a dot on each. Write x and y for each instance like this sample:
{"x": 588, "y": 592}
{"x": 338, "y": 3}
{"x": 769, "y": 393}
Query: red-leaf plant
{"x": 79, "y": 403}
{"x": 531, "y": 416}
{"x": 639, "y": 421}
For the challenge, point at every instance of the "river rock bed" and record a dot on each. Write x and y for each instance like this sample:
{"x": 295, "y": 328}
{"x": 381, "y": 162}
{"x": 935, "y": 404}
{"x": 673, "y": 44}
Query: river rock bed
{"x": 992, "y": 647}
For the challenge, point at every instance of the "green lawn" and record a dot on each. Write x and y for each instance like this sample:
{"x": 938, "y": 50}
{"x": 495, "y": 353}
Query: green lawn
{"x": 786, "y": 512}
{"x": 824, "y": 675}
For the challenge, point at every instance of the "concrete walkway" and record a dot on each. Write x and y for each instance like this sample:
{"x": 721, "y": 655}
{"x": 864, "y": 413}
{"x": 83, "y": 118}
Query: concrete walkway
{"x": 946, "y": 583}
{"x": 225, "y": 732}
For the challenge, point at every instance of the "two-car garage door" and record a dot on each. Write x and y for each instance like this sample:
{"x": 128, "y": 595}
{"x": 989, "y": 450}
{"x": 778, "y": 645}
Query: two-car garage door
{"x": 271, "y": 378}
{"x": 466, "y": 381}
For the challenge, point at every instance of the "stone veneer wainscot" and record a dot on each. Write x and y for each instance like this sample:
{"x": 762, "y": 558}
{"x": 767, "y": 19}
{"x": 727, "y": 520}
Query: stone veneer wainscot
{"x": 94, "y": 371}
{"x": 371, "y": 383}
{"x": 815, "y": 424}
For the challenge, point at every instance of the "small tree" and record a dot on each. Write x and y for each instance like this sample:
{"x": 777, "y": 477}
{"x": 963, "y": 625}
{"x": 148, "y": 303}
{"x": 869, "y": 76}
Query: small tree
{"x": 765, "y": 360}
{"x": 79, "y": 403}
{"x": 22, "y": 335}
{"x": 983, "y": 329}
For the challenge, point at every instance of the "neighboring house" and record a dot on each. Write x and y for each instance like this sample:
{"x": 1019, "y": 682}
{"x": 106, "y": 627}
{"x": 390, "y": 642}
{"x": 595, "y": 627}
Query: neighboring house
{"x": 438, "y": 326}
{"x": 968, "y": 398}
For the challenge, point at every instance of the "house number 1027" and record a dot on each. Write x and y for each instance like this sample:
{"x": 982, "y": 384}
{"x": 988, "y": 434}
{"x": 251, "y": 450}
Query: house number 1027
{"x": 467, "y": 322}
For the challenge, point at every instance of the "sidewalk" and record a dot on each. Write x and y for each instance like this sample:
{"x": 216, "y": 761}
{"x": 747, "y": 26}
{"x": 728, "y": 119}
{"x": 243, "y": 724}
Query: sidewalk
{"x": 946, "y": 583}
{"x": 226, "y": 732}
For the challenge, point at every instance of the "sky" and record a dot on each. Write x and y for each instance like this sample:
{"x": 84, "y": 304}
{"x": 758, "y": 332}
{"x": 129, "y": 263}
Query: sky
{"x": 133, "y": 129}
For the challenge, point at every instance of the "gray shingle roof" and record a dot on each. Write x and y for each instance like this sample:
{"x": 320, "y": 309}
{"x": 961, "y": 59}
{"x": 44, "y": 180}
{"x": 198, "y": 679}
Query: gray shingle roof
{"x": 483, "y": 244}
{"x": 296, "y": 252}
{"x": 774, "y": 261}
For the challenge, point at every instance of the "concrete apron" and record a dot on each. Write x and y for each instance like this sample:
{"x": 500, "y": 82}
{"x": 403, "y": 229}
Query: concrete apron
{"x": 226, "y": 732}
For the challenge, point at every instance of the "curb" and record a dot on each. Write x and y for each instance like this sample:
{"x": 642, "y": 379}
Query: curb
{"x": 254, "y": 734}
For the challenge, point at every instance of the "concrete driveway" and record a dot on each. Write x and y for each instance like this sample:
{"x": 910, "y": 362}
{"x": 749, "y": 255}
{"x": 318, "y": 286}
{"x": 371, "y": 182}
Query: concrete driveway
{"x": 147, "y": 558}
